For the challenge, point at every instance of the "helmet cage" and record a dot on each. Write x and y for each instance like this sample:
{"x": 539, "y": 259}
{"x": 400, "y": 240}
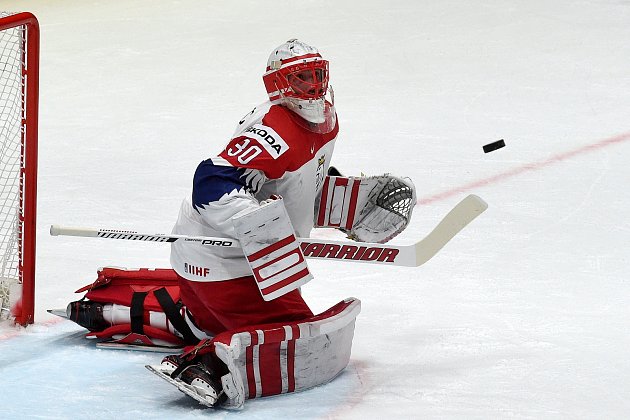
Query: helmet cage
{"x": 304, "y": 79}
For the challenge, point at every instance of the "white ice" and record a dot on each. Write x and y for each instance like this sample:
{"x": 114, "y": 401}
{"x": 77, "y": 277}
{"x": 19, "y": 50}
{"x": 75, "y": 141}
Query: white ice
{"x": 526, "y": 314}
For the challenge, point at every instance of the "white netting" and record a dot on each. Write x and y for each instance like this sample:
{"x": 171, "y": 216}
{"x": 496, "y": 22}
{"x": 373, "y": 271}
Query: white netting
{"x": 387, "y": 211}
{"x": 11, "y": 106}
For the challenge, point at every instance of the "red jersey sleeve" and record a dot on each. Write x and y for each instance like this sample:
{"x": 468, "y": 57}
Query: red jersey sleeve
{"x": 271, "y": 145}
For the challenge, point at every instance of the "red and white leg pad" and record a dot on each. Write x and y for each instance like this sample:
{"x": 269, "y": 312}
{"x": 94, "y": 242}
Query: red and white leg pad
{"x": 275, "y": 359}
{"x": 272, "y": 249}
{"x": 139, "y": 306}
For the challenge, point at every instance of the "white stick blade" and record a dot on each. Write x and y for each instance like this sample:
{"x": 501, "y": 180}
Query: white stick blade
{"x": 457, "y": 219}
{"x": 57, "y": 230}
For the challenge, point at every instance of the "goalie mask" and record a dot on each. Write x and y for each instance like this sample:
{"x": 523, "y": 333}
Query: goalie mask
{"x": 297, "y": 76}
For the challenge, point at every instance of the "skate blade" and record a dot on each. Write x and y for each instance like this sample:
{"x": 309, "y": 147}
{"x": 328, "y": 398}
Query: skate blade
{"x": 112, "y": 345}
{"x": 59, "y": 312}
{"x": 189, "y": 390}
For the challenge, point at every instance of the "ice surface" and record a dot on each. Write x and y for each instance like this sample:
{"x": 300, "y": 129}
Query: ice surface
{"x": 524, "y": 315}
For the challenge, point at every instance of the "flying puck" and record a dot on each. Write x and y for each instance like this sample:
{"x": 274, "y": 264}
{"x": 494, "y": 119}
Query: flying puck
{"x": 491, "y": 147}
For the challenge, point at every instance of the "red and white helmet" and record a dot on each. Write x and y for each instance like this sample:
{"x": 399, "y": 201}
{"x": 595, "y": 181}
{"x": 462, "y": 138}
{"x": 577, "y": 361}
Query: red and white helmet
{"x": 297, "y": 76}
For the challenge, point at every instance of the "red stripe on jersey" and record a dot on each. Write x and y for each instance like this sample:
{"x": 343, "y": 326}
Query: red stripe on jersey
{"x": 271, "y": 248}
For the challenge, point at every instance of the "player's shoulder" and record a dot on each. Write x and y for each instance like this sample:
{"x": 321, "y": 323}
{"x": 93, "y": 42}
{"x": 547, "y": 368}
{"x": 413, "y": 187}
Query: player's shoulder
{"x": 280, "y": 117}
{"x": 271, "y": 126}
{"x": 264, "y": 140}
{"x": 271, "y": 115}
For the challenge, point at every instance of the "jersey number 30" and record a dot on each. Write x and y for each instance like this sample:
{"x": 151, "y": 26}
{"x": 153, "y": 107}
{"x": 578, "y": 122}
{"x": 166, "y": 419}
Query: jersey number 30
{"x": 244, "y": 151}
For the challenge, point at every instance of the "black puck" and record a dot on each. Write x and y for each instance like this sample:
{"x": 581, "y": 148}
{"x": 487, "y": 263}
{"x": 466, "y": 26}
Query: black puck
{"x": 493, "y": 146}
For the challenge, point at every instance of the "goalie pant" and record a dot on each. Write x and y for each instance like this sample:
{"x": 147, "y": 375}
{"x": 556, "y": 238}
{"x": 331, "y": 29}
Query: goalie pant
{"x": 274, "y": 359}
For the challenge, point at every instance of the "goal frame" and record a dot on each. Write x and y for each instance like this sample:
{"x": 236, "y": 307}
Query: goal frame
{"x": 24, "y": 311}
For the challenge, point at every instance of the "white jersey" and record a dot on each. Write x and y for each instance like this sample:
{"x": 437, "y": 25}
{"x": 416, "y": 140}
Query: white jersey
{"x": 271, "y": 152}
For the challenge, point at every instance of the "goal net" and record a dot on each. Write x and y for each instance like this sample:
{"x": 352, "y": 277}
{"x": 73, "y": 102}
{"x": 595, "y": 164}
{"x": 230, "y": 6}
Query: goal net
{"x": 19, "y": 66}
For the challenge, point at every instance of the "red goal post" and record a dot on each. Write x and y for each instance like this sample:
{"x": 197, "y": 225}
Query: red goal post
{"x": 19, "y": 92}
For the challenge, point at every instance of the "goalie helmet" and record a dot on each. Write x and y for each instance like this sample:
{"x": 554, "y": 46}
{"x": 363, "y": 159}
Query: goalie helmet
{"x": 297, "y": 77}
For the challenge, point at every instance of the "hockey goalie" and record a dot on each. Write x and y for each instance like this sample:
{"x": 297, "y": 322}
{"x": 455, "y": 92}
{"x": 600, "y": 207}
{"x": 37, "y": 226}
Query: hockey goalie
{"x": 238, "y": 312}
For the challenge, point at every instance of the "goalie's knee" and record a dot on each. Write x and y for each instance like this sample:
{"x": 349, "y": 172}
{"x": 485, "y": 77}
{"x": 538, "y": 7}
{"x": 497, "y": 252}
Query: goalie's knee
{"x": 274, "y": 359}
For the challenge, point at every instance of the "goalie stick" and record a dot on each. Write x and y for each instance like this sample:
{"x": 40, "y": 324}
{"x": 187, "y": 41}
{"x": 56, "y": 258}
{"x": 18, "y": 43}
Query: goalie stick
{"x": 397, "y": 255}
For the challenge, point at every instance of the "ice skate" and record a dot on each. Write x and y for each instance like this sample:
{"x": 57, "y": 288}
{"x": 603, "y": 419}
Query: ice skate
{"x": 193, "y": 379}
